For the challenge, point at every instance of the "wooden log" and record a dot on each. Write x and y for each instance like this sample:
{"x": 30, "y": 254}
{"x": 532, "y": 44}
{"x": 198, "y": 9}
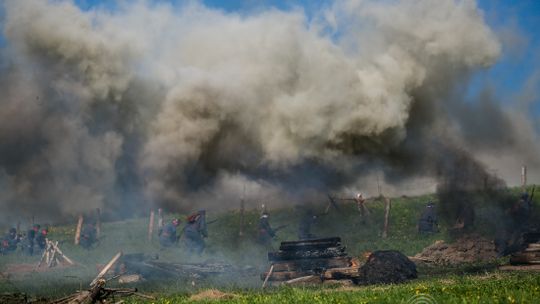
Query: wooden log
{"x": 242, "y": 211}
{"x": 300, "y": 265}
{"x": 62, "y": 254}
{"x": 268, "y": 276}
{"x": 305, "y": 279}
{"x": 331, "y": 252}
{"x": 98, "y": 223}
{"x": 311, "y": 241}
{"x": 388, "y": 205}
{"x": 160, "y": 218}
{"x": 106, "y": 268}
{"x": 308, "y": 246}
{"x": 341, "y": 273}
{"x": 51, "y": 248}
{"x": 151, "y": 225}
{"x": 286, "y": 275}
{"x": 523, "y": 177}
{"x": 78, "y": 230}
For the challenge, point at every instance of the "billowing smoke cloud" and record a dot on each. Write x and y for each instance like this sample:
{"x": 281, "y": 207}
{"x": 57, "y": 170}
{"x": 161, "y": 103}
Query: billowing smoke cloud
{"x": 186, "y": 107}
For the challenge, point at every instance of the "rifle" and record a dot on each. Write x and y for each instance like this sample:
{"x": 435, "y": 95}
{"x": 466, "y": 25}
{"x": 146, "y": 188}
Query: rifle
{"x": 280, "y": 227}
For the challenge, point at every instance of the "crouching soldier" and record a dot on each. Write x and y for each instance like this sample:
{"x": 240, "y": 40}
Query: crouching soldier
{"x": 88, "y": 236}
{"x": 428, "y": 220}
{"x": 10, "y": 241}
{"x": 195, "y": 231}
{"x": 167, "y": 234}
{"x": 266, "y": 233}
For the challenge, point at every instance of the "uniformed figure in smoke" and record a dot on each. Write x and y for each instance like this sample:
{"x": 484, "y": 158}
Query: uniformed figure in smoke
{"x": 265, "y": 233}
{"x": 195, "y": 231}
{"x": 167, "y": 234}
{"x": 30, "y": 239}
{"x": 509, "y": 237}
{"x": 41, "y": 239}
{"x": 428, "y": 222}
{"x": 88, "y": 236}
{"x": 10, "y": 242}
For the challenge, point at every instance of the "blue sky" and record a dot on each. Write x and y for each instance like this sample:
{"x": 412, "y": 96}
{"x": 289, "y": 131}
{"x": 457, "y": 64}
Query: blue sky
{"x": 519, "y": 21}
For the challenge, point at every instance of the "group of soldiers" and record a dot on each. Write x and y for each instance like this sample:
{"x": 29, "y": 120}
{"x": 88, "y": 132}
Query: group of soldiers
{"x": 192, "y": 235}
{"x": 34, "y": 241}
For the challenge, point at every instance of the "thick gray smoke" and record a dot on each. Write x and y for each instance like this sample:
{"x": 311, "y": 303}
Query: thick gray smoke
{"x": 154, "y": 105}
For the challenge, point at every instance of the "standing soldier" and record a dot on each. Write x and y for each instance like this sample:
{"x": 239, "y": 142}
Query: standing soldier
{"x": 266, "y": 233}
{"x": 30, "y": 238}
{"x": 361, "y": 205}
{"x": 195, "y": 231}
{"x": 88, "y": 236}
{"x": 41, "y": 239}
{"x": 167, "y": 234}
{"x": 428, "y": 222}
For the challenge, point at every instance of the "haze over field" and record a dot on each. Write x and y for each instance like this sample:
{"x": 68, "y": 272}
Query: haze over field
{"x": 154, "y": 105}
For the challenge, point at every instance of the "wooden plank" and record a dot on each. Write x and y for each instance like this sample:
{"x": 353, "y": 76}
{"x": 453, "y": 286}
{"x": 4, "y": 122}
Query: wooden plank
{"x": 341, "y": 273}
{"x": 310, "y": 254}
{"x": 311, "y": 241}
{"x": 299, "y": 265}
{"x": 78, "y": 230}
{"x": 388, "y": 205}
{"x": 286, "y": 275}
{"x": 151, "y": 225}
{"x": 106, "y": 268}
{"x": 308, "y": 246}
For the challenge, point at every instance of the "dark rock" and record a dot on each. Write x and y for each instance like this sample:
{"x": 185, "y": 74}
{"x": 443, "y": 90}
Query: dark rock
{"x": 388, "y": 266}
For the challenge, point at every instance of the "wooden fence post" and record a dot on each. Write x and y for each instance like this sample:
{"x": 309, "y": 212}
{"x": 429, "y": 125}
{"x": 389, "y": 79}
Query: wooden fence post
{"x": 388, "y": 205}
{"x": 151, "y": 225}
{"x": 98, "y": 223}
{"x": 78, "y": 231}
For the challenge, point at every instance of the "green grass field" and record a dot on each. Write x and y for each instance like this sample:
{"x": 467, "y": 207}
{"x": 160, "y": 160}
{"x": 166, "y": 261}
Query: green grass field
{"x": 466, "y": 284}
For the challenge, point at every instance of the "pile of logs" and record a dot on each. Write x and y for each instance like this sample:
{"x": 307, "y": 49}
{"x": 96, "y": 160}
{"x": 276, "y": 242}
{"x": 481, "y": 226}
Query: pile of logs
{"x": 531, "y": 254}
{"x": 98, "y": 293}
{"x": 324, "y": 258}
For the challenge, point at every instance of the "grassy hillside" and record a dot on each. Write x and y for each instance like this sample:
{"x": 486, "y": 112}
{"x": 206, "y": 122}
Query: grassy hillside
{"x": 224, "y": 244}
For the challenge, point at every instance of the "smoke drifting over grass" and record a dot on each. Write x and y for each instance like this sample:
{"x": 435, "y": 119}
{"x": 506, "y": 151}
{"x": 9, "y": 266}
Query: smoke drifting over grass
{"x": 180, "y": 107}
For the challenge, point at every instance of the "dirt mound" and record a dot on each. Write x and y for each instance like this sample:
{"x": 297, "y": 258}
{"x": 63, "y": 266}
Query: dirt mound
{"x": 211, "y": 294}
{"x": 467, "y": 249}
{"x": 385, "y": 267}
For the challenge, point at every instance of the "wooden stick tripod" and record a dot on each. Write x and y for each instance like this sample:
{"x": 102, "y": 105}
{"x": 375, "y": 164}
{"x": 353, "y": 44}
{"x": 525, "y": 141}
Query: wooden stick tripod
{"x": 53, "y": 255}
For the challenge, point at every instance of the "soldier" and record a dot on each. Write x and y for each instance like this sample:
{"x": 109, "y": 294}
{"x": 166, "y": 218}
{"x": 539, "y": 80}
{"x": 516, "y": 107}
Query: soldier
{"x": 30, "y": 238}
{"x": 361, "y": 205}
{"x": 41, "y": 239}
{"x": 195, "y": 231}
{"x": 304, "y": 227}
{"x": 266, "y": 233}
{"x": 520, "y": 212}
{"x": 167, "y": 234}
{"x": 88, "y": 236}
{"x": 428, "y": 220}
{"x": 10, "y": 241}
{"x": 511, "y": 228}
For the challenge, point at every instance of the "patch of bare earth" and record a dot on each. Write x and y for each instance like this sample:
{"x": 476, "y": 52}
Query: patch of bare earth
{"x": 467, "y": 249}
{"x": 212, "y": 294}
